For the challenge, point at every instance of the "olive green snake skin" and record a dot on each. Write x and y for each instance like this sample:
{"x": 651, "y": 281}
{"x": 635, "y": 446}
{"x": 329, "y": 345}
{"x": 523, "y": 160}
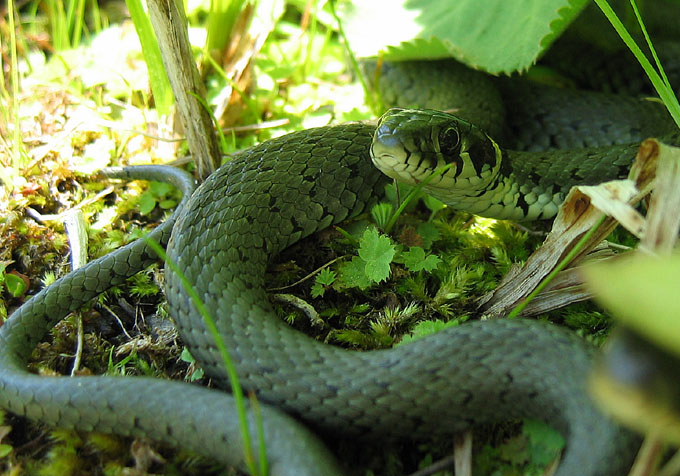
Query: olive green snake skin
{"x": 259, "y": 203}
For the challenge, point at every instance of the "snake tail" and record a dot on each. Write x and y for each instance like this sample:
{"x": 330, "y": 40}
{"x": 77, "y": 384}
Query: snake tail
{"x": 180, "y": 414}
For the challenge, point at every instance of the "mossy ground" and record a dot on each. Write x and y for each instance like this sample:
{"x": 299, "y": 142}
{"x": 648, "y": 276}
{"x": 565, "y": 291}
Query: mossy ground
{"x": 76, "y": 116}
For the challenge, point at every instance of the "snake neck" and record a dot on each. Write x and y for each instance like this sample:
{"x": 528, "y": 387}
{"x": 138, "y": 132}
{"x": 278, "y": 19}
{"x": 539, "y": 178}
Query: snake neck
{"x": 496, "y": 191}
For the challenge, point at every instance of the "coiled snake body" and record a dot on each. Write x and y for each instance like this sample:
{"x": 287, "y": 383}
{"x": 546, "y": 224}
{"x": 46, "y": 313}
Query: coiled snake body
{"x": 260, "y": 202}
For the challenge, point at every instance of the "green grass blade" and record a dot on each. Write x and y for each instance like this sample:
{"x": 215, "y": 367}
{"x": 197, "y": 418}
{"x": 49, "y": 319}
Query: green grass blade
{"x": 236, "y": 389}
{"x": 663, "y": 90}
{"x": 221, "y": 20}
{"x": 77, "y": 23}
{"x": 95, "y": 12}
{"x": 414, "y": 193}
{"x": 160, "y": 85}
{"x": 17, "y": 145}
{"x": 657, "y": 62}
{"x": 264, "y": 464}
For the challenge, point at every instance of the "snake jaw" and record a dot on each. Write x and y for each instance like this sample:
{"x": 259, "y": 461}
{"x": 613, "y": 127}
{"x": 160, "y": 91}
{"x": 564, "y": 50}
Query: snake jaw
{"x": 390, "y": 156}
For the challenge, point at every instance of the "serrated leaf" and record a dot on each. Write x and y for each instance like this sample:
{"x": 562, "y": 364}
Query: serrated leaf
{"x": 415, "y": 260}
{"x": 381, "y": 213}
{"x": 353, "y": 274}
{"x": 476, "y": 34}
{"x": 326, "y": 277}
{"x": 426, "y": 328}
{"x": 318, "y": 290}
{"x": 377, "y": 251}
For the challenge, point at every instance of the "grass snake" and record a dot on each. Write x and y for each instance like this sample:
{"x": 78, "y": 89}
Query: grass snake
{"x": 222, "y": 237}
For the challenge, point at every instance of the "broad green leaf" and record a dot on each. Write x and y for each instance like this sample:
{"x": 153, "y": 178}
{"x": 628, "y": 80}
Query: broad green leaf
{"x": 493, "y": 35}
{"x": 15, "y": 285}
{"x": 545, "y": 443}
{"x": 642, "y": 291}
{"x": 5, "y": 450}
{"x": 377, "y": 251}
{"x": 147, "y": 202}
{"x": 353, "y": 274}
{"x": 429, "y": 233}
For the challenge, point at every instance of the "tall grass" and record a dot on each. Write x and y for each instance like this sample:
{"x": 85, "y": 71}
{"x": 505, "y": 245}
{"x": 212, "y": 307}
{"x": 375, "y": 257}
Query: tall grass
{"x": 67, "y": 21}
{"x": 10, "y": 106}
{"x": 655, "y": 72}
{"x": 158, "y": 79}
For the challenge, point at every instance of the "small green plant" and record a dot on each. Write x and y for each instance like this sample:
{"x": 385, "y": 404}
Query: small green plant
{"x": 416, "y": 259}
{"x": 527, "y": 453}
{"x": 158, "y": 194}
{"x": 323, "y": 281}
{"x": 372, "y": 265}
{"x": 14, "y": 284}
{"x": 195, "y": 372}
{"x": 376, "y": 254}
{"x": 142, "y": 285}
{"x": 381, "y": 213}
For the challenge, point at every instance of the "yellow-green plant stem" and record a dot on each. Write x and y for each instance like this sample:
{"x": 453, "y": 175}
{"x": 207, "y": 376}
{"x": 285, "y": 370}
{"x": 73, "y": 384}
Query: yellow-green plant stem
{"x": 220, "y": 132}
{"x": 412, "y": 194}
{"x": 247, "y": 100}
{"x": 236, "y": 389}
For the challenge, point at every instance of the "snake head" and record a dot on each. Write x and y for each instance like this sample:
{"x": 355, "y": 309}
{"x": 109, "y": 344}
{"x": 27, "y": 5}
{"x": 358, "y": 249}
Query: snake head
{"x": 410, "y": 144}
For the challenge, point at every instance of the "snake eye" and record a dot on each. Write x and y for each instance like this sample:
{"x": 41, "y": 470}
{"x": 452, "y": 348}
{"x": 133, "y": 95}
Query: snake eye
{"x": 449, "y": 142}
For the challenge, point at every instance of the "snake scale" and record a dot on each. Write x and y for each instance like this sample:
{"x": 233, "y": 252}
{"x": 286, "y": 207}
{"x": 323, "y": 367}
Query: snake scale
{"x": 222, "y": 236}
